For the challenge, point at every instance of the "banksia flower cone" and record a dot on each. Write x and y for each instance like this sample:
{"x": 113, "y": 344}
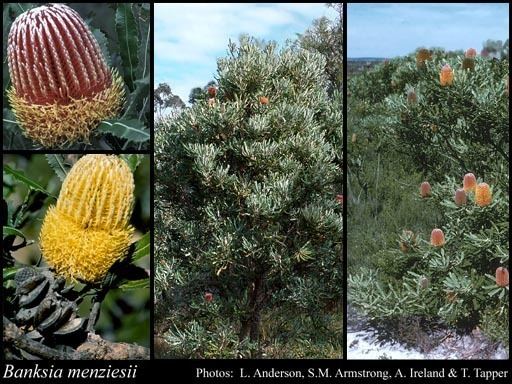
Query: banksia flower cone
{"x": 422, "y": 55}
{"x": 212, "y": 91}
{"x": 501, "y": 277}
{"x": 460, "y": 197}
{"x": 61, "y": 85}
{"x": 423, "y": 282}
{"x": 483, "y": 195}
{"x": 411, "y": 97}
{"x": 425, "y": 189}
{"x": 469, "y": 182}
{"x": 446, "y": 75}
{"x": 88, "y": 229}
{"x": 470, "y": 53}
{"x": 437, "y": 238}
{"x": 263, "y": 100}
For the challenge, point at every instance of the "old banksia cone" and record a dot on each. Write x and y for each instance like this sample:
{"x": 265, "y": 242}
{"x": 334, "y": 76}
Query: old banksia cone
{"x": 437, "y": 238}
{"x": 483, "y": 195}
{"x": 88, "y": 229}
{"x": 446, "y": 75}
{"x": 411, "y": 96}
{"x": 469, "y": 182}
{"x": 61, "y": 85}
{"x": 423, "y": 282}
{"x": 460, "y": 197}
{"x": 501, "y": 276}
{"x": 422, "y": 55}
{"x": 425, "y": 189}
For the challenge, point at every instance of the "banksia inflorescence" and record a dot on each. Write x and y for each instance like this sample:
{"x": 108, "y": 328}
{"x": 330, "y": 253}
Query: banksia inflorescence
{"x": 263, "y": 100}
{"x": 469, "y": 182}
{"x": 446, "y": 75}
{"x": 437, "y": 238}
{"x": 470, "y": 53}
{"x": 421, "y": 56}
{"x": 411, "y": 96}
{"x": 460, "y": 197}
{"x": 61, "y": 85}
{"x": 425, "y": 189}
{"x": 483, "y": 195}
{"x": 88, "y": 229}
{"x": 502, "y": 277}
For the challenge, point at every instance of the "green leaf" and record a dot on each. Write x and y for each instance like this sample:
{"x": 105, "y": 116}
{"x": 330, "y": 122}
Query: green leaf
{"x": 132, "y": 130}
{"x": 12, "y": 231}
{"x": 142, "y": 247}
{"x": 128, "y": 37}
{"x": 143, "y": 53}
{"x": 141, "y": 91}
{"x": 57, "y": 163}
{"x": 136, "y": 284}
{"x": 20, "y": 176}
{"x": 9, "y": 273}
{"x": 133, "y": 161}
{"x": 102, "y": 41}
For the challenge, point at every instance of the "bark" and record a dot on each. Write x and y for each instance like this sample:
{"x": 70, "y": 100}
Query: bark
{"x": 251, "y": 325}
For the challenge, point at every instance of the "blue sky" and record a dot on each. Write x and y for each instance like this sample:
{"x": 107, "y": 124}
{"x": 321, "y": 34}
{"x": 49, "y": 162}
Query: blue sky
{"x": 190, "y": 37}
{"x": 388, "y": 30}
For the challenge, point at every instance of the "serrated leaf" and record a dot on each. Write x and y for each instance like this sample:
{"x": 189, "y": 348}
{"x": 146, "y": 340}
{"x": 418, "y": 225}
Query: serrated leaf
{"x": 142, "y": 247}
{"x": 12, "y": 231}
{"x": 128, "y": 37}
{"x": 133, "y": 161}
{"x": 102, "y": 41}
{"x": 132, "y": 130}
{"x": 137, "y": 284}
{"x": 20, "y": 176}
{"x": 57, "y": 163}
{"x": 141, "y": 91}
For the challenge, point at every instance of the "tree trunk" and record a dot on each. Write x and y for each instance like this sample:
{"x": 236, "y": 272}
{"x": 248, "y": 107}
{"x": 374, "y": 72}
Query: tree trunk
{"x": 252, "y": 323}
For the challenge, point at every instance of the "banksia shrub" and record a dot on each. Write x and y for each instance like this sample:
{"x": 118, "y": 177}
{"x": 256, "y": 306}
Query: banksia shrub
{"x": 502, "y": 277}
{"x": 483, "y": 195}
{"x": 469, "y": 182}
{"x": 88, "y": 229}
{"x": 446, "y": 75}
{"x": 460, "y": 197}
{"x": 425, "y": 189}
{"x": 437, "y": 238}
{"x": 61, "y": 85}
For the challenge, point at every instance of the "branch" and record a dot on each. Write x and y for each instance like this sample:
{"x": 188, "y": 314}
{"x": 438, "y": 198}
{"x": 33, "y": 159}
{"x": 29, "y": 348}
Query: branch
{"x": 94, "y": 348}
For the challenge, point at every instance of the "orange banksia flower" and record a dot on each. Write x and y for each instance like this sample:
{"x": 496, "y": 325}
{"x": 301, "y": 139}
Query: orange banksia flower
{"x": 460, "y": 197}
{"x": 437, "y": 238}
{"x": 483, "y": 195}
{"x": 425, "y": 189}
{"x": 88, "y": 229}
{"x": 61, "y": 85}
{"x": 446, "y": 75}
{"x": 470, "y": 53}
{"x": 421, "y": 56}
{"x": 263, "y": 100}
{"x": 501, "y": 277}
{"x": 469, "y": 182}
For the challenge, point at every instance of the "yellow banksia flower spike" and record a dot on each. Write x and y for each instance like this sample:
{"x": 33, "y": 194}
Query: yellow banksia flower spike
{"x": 88, "y": 229}
{"x": 61, "y": 85}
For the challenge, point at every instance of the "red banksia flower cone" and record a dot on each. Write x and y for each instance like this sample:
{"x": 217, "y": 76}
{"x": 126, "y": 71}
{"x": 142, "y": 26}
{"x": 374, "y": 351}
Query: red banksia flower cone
{"x": 469, "y": 182}
{"x": 437, "y": 238}
{"x": 61, "y": 85}
{"x": 208, "y": 297}
{"x": 501, "y": 276}
{"x": 460, "y": 197}
{"x": 263, "y": 100}
{"x": 446, "y": 75}
{"x": 483, "y": 195}
{"x": 88, "y": 229}
{"x": 425, "y": 189}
